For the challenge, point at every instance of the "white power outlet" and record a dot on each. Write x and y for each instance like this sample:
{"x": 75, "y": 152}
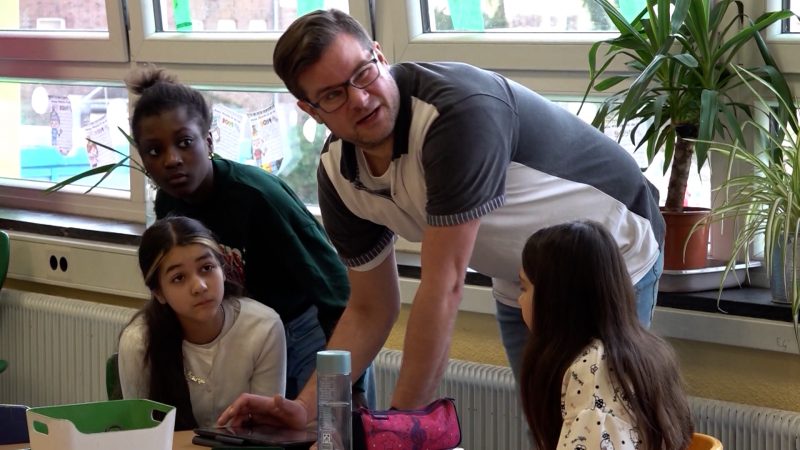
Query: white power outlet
{"x": 79, "y": 264}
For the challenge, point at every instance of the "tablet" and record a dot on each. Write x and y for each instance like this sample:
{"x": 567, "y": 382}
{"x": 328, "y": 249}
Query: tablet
{"x": 259, "y": 435}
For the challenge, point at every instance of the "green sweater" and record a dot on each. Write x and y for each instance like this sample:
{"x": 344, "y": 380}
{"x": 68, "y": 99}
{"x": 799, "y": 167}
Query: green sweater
{"x": 275, "y": 247}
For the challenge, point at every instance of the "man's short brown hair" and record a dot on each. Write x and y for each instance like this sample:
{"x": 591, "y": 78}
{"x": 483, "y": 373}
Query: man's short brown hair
{"x": 303, "y": 43}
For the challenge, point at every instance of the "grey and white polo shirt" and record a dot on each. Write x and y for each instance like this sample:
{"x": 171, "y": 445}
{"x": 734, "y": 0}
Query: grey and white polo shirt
{"x": 470, "y": 144}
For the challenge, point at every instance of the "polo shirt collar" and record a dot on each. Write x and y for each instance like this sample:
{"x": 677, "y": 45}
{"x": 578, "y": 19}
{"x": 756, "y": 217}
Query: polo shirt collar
{"x": 349, "y": 162}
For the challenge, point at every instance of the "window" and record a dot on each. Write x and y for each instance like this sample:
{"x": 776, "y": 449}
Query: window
{"x": 793, "y": 25}
{"x": 62, "y": 31}
{"x": 224, "y": 48}
{"x": 230, "y": 15}
{"x": 75, "y": 58}
{"x": 49, "y": 143}
{"x": 521, "y": 16}
{"x": 225, "y": 32}
{"x": 266, "y": 129}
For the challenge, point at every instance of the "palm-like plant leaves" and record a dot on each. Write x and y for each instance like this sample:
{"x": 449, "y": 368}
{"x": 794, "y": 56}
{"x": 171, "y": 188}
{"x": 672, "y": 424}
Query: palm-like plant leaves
{"x": 679, "y": 84}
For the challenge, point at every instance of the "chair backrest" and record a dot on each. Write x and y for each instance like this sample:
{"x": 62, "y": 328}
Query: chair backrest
{"x": 5, "y": 256}
{"x": 113, "y": 388}
{"x": 702, "y": 441}
{"x": 15, "y": 426}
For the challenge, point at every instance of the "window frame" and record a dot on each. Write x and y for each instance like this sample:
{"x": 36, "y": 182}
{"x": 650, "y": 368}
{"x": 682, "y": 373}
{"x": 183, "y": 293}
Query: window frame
{"x": 784, "y": 46}
{"x": 67, "y": 45}
{"x": 235, "y": 48}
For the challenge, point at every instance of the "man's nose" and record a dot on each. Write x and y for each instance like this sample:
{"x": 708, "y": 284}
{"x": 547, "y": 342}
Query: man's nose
{"x": 357, "y": 96}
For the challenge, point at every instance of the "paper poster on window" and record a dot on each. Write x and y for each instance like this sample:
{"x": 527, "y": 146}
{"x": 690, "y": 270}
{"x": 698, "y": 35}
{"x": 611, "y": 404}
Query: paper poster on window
{"x": 267, "y": 150}
{"x": 98, "y": 132}
{"x": 61, "y": 124}
{"x": 226, "y": 132}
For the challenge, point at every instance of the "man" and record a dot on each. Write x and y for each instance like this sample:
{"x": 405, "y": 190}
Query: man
{"x": 462, "y": 160}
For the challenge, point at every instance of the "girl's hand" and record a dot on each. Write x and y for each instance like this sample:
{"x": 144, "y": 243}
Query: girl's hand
{"x": 275, "y": 411}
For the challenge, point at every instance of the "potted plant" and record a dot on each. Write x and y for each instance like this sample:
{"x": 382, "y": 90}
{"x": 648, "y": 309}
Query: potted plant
{"x": 763, "y": 199}
{"x": 678, "y": 89}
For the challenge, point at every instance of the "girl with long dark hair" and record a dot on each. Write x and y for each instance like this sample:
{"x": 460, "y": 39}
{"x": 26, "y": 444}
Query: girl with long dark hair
{"x": 592, "y": 376}
{"x": 197, "y": 344}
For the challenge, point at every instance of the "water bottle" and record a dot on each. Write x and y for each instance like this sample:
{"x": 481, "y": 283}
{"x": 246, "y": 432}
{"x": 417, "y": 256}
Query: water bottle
{"x": 334, "y": 396}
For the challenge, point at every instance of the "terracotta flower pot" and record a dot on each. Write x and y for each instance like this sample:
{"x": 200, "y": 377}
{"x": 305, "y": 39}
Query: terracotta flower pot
{"x": 679, "y": 225}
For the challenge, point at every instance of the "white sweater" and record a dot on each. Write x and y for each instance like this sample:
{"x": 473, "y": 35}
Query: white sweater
{"x": 249, "y": 355}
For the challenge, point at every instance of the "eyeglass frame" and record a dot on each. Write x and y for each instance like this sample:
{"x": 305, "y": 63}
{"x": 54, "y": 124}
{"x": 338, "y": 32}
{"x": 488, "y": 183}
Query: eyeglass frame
{"x": 346, "y": 84}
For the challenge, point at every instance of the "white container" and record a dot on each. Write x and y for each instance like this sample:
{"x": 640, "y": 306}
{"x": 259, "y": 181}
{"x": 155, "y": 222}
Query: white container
{"x": 117, "y": 425}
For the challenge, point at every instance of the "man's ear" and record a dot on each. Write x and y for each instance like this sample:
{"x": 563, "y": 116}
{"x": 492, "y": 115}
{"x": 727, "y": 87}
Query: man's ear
{"x": 310, "y": 110}
{"x": 376, "y": 47}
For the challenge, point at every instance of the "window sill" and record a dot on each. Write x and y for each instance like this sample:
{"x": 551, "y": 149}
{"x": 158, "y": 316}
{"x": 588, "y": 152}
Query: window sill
{"x": 71, "y": 226}
{"x": 750, "y": 302}
{"x": 745, "y": 317}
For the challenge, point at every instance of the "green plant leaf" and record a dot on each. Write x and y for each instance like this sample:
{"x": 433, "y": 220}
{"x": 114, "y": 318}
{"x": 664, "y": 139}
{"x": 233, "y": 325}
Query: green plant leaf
{"x": 106, "y": 169}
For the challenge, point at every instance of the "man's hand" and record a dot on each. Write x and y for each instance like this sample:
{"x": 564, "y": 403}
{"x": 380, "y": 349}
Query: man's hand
{"x": 274, "y": 411}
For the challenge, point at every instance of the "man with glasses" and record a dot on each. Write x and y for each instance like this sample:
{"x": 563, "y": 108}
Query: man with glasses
{"x": 465, "y": 161}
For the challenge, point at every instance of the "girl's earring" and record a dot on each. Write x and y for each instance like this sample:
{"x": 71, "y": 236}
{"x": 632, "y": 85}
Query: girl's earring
{"x": 211, "y": 155}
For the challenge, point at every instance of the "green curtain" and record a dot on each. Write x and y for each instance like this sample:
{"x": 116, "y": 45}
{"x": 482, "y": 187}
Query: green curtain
{"x": 466, "y": 15}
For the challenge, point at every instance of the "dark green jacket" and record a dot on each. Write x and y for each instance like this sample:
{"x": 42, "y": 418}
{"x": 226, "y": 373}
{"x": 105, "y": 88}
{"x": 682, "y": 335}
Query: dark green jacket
{"x": 274, "y": 245}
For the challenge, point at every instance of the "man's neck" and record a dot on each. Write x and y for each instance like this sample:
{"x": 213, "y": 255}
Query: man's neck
{"x": 378, "y": 158}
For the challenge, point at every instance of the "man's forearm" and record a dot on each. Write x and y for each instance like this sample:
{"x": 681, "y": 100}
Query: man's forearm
{"x": 445, "y": 255}
{"x": 365, "y": 324}
{"x": 426, "y": 348}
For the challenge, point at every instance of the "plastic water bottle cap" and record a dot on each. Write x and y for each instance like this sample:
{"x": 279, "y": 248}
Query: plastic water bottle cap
{"x": 330, "y": 362}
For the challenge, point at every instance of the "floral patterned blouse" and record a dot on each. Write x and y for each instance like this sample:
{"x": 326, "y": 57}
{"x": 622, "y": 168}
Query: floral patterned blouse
{"x": 594, "y": 410}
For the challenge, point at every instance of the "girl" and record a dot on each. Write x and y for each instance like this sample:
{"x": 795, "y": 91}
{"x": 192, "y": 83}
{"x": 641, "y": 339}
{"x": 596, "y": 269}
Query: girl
{"x": 592, "y": 376}
{"x": 274, "y": 246}
{"x": 197, "y": 345}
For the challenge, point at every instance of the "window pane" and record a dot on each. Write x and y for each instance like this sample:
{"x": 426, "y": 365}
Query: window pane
{"x": 266, "y": 129}
{"x": 87, "y": 15}
{"x": 232, "y": 15}
{"x": 54, "y": 120}
{"x": 698, "y": 190}
{"x": 522, "y": 15}
{"x": 794, "y": 21}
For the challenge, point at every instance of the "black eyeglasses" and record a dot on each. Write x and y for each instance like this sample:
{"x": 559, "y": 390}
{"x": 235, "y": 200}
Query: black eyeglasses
{"x": 333, "y": 98}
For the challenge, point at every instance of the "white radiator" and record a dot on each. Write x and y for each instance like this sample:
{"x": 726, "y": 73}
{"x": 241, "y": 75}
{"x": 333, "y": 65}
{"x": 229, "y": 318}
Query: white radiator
{"x": 57, "y": 349}
{"x": 491, "y": 417}
{"x": 744, "y": 427}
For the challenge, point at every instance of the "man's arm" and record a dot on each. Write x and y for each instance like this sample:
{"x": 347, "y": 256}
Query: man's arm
{"x": 365, "y": 324}
{"x": 445, "y": 256}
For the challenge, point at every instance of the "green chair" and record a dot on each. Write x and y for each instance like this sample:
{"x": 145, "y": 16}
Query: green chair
{"x": 5, "y": 255}
{"x": 113, "y": 388}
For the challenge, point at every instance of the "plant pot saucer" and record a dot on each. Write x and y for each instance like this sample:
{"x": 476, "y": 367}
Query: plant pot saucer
{"x": 706, "y": 278}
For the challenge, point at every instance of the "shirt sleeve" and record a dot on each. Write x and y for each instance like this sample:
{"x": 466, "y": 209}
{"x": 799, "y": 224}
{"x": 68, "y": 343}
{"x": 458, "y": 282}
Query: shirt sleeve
{"x": 593, "y": 415}
{"x": 466, "y": 154}
{"x": 269, "y": 374}
{"x": 133, "y": 372}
